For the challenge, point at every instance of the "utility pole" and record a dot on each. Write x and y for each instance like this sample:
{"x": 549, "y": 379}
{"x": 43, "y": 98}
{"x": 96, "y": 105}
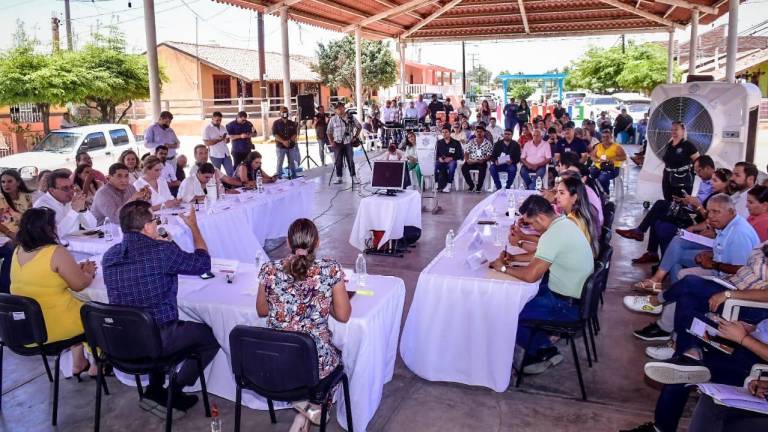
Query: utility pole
{"x": 463, "y": 70}
{"x": 55, "y": 32}
{"x": 68, "y": 25}
{"x": 623, "y": 44}
{"x": 262, "y": 66}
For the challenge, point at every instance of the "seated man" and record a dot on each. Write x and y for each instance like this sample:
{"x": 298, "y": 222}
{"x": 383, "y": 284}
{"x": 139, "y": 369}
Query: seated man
{"x": 116, "y": 192}
{"x": 496, "y": 132}
{"x": 535, "y": 156}
{"x": 83, "y": 158}
{"x": 142, "y": 271}
{"x": 169, "y": 169}
{"x": 193, "y": 188}
{"x": 570, "y": 143}
{"x": 72, "y": 214}
{"x": 448, "y": 152}
{"x": 565, "y": 253}
{"x": 509, "y": 150}
{"x": 201, "y": 157}
{"x": 476, "y": 156}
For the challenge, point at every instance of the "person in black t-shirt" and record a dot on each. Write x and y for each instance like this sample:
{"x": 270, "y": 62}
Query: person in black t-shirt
{"x": 570, "y": 143}
{"x": 678, "y": 158}
{"x": 623, "y": 123}
{"x": 559, "y": 111}
{"x": 448, "y": 152}
{"x": 321, "y": 126}
{"x": 435, "y": 107}
{"x": 510, "y": 150}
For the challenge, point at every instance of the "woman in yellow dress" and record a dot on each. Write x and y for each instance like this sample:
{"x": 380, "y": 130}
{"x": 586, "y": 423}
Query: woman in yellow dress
{"x": 46, "y": 272}
{"x": 15, "y": 199}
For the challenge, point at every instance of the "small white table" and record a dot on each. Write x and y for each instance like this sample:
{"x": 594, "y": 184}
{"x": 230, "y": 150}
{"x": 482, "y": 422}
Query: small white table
{"x": 368, "y": 341}
{"x": 385, "y": 213}
{"x": 462, "y": 323}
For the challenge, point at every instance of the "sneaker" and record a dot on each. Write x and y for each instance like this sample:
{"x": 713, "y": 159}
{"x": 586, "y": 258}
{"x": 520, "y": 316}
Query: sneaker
{"x": 338, "y": 180}
{"x": 355, "y": 180}
{"x": 652, "y": 332}
{"x": 647, "y": 427}
{"x": 661, "y": 352}
{"x": 478, "y": 189}
{"x": 679, "y": 370}
{"x": 641, "y": 304}
{"x": 446, "y": 189}
{"x": 631, "y": 234}
{"x": 545, "y": 359}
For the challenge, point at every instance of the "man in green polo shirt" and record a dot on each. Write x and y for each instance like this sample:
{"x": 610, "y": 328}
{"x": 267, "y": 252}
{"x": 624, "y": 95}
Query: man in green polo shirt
{"x": 563, "y": 261}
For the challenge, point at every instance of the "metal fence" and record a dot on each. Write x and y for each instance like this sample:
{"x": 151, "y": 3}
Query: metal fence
{"x": 26, "y": 113}
{"x": 204, "y": 108}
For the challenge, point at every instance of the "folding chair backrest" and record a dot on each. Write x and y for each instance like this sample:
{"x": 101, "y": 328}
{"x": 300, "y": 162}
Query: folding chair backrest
{"x": 21, "y": 321}
{"x": 590, "y": 294}
{"x": 122, "y": 333}
{"x": 273, "y": 362}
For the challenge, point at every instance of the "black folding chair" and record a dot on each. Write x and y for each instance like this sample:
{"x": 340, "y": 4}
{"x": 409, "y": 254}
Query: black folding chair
{"x": 609, "y": 211}
{"x": 282, "y": 365}
{"x": 570, "y": 329}
{"x": 129, "y": 339}
{"x": 22, "y": 329}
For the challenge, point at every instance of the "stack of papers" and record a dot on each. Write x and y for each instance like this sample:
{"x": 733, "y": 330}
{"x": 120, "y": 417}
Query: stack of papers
{"x": 735, "y": 397}
{"x": 224, "y": 266}
{"x": 696, "y": 238}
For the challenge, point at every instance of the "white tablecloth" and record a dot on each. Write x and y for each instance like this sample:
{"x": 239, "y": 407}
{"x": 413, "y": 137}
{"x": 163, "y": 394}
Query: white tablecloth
{"x": 462, "y": 324}
{"x": 385, "y": 213}
{"x": 368, "y": 341}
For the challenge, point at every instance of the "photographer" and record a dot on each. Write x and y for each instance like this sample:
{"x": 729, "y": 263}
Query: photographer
{"x": 285, "y": 130}
{"x": 343, "y": 132}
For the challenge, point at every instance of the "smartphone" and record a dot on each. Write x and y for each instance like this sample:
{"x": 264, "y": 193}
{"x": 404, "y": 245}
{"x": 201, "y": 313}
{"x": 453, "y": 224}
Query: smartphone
{"x": 207, "y": 275}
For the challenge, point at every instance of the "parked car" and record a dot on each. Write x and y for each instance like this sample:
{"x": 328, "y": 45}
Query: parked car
{"x": 103, "y": 142}
{"x": 595, "y": 104}
{"x": 573, "y": 98}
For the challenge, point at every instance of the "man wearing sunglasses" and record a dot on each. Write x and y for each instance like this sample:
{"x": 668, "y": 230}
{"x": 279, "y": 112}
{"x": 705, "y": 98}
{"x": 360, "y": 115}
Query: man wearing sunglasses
{"x": 72, "y": 213}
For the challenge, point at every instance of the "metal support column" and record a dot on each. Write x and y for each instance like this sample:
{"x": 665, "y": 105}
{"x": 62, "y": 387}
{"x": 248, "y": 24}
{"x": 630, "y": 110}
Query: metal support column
{"x": 68, "y": 25}
{"x": 694, "y": 44}
{"x": 263, "y": 96}
{"x": 732, "y": 42}
{"x": 286, "y": 57}
{"x": 154, "y": 71}
{"x": 401, "y": 49}
{"x": 670, "y": 55}
{"x": 359, "y": 73}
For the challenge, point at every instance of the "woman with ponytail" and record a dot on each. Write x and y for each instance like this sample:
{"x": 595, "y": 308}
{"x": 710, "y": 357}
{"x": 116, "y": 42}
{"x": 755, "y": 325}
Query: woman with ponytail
{"x": 298, "y": 293}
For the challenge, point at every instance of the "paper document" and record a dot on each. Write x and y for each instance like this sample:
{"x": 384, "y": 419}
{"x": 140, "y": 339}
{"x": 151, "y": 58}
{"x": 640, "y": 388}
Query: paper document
{"x": 223, "y": 266}
{"x": 720, "y": 281}
{"x": 696, "y": 238}
{"x": 736, "y": 397}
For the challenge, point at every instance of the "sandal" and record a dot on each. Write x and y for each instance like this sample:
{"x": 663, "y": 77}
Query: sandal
{"x": 308, "y": 410}
{"x": 647, "y": 286}
{"x": 300, "y": 424}
{"x": 83, "y": 370}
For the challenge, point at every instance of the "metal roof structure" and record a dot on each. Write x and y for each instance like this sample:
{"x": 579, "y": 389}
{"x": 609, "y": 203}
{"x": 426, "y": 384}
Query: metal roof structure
{"x": 454, "y": 20}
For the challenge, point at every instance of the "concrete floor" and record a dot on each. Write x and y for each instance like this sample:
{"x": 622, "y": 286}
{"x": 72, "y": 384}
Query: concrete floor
{"x": 619, "y": 395}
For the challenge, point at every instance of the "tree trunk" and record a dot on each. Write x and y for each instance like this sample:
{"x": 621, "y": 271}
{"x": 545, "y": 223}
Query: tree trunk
{"x": 45, "y": 112}
{"x": 125, "y": 111}
{"x": 104, "y": 109}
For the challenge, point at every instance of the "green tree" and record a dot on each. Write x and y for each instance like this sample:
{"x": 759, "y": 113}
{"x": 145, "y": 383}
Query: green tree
{"x": 336, "y": 64}
{"x": 479, "y": 76}
{"x": 125, "y": 77}
{"x": 27, "y": 76}
{"x": 497, "y": 81}
{"x": 646, "y": 67}
{"x": 521, "y": 91}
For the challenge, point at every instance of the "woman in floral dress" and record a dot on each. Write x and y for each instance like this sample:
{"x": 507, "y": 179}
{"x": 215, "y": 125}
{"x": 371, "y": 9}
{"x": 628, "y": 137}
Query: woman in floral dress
{"x": 15, "y": 199}
{"x": 298, "y": 293}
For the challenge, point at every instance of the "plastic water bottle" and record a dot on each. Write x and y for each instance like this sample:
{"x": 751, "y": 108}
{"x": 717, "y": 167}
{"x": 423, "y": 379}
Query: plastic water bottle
{"x": 211, "y": 192}
{"x": 512, "y": 206}
{"x": 449, "y": 240}
{"x": 539, "y": 183}
{"x": 215, "y": 419}
{"x": 107, "y": 230}
{"x": 259, "y": 182}
{"x": 361, "y": 270}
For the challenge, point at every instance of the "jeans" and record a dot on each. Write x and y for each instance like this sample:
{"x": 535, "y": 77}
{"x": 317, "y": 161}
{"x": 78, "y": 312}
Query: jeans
{"x": 293, "y": 158}
{"x": 341, "y": 152}
{"x": 604, "y": 176}
{"x": 226, "y": 162}
{"x": 181, "y": 336}
{"x": 679, "y": 255}
{"x": 667, "y": 320}
{"x": 321, "y": 144}
{"x": 711, "y": 417}
{"x": 725, "y": 369}
{"x": 658, "y": 209}
{"x": 510, "y": 124}
{"x": 510, "y": 169}
{"x": 481, "y": 168}
{"x": 545, "y": 306}
{"x": 6, "y": 253}
{"x": 445, "y": 173}
{"x": 662, "y": 234}
{"x": 525, "y": 174}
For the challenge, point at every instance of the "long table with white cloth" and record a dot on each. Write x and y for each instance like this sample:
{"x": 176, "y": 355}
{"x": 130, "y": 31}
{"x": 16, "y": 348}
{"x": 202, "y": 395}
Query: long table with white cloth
{"x": 368, "y": 341}
{"x": 462, "y": 324}
{"x": 390, "y": 214}
{"x": 235, "y": 227}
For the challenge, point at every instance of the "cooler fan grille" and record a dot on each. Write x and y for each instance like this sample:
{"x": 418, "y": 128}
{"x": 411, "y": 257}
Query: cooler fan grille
{"x": 697, "y": 121}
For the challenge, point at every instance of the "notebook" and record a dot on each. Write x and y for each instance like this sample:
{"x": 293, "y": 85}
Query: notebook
{"x": 735, "y": 397}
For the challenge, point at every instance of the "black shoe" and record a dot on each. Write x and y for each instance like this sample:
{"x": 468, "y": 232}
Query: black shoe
{"x": 652, "y": 332}
{"x": 648, "y": 427}
{"x": 183, "y": 401}
{"x": 153, "y": 398}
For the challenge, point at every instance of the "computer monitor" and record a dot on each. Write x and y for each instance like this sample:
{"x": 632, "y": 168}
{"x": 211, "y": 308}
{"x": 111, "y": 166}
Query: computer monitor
{"x": 388, "y": 175}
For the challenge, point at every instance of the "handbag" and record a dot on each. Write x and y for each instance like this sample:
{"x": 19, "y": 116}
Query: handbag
{"x": 679, "y": 215}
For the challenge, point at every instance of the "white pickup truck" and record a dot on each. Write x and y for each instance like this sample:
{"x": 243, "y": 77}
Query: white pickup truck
{"x": 103, "y": 142}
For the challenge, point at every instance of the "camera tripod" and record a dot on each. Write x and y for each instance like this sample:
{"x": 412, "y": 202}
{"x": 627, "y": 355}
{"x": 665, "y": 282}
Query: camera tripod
{"x": 344, "y": 162}
{"x": 307, "y": 157}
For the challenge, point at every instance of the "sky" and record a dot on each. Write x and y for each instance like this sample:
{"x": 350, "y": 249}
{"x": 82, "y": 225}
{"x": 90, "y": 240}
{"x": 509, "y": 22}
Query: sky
{"x": 231, "y": 26}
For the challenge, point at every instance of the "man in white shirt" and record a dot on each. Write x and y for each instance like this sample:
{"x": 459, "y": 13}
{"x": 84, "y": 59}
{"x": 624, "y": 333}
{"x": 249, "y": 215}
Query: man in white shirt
{"x": 388, "y": 113}
{"x": 193, "y": 189}
{"x": 71, "y": 211}
{"x": 464, "y": 109}
{"x": 216, "y": 139}
{"x": 495, "y": 130}
{"x": 169, "y": 169}
{"x": 411, "y": 112}
{"x": 66, "y": 121}
{"x": 421, "y": 108}
{"x": 743, "y": 179}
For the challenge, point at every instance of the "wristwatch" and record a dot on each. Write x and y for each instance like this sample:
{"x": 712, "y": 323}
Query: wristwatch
{"x": 520, "y": 243}
{"x": 503, "y": 269}
{"x": 728, "y": 294}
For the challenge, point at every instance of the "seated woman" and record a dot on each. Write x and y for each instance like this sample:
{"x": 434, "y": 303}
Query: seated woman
{"x": 85, "y": 182}
{"x": 757, "y": 205}
{"x": 412, "y": 157}
{"x": 46, "y": 272}
{"x": 15, "y": 200}
{"x": 607, "y": 158}
{"x": 130, "y": 159}
{"x": 298, "y": 293}
{"x": 42, "y": 185}
{"x": 194, "y": 188}
{"x": 663, "y": 228}
{"x": 161, "y": 194}
{"x": 525, "y": 135}
{"x": 251, "y": 168}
